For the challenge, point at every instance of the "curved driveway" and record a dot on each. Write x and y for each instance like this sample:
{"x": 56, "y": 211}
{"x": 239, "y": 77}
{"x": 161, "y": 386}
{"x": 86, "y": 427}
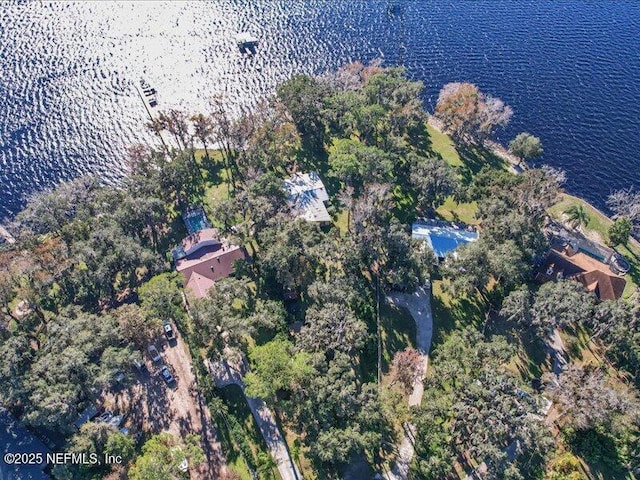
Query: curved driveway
{"x": 419, "y": 306}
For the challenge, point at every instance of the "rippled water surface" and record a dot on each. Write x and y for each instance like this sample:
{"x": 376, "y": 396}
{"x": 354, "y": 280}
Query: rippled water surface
{"x": 569, "y": 69}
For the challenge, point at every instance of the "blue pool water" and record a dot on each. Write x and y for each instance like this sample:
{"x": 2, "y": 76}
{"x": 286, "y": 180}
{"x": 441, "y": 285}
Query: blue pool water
{"x": 568, "y": 68}
{"x": 195, "y": 221}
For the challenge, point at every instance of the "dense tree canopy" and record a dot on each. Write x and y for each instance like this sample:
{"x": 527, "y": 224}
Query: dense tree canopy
{"x": 626, "y": 203}
{"x": 620, "y": 231}
{"x": 83, "y": 352}
{"x": 162, "y": 456}
{"x": 88, "y": 286}
{"x": 480, "y": 410}
{"x": 587, "y": 399}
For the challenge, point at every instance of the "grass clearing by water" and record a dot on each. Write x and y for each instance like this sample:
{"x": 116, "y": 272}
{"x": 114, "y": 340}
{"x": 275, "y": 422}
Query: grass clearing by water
{"x": 598, "y": 228}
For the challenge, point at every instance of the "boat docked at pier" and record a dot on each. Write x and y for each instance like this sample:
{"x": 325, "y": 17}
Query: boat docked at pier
{"x": 246, "y": 42}
{"x": 148, "y": 92}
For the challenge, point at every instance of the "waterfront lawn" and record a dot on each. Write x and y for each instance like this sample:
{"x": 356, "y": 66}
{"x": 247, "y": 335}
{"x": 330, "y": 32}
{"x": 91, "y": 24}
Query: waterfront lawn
{"x": 467, "y": 160}
{"x": 598, "y": 229}
{"x": 598, "y": 221}
{"x": 442, "y": 144}
{"x": 217, "y": 176}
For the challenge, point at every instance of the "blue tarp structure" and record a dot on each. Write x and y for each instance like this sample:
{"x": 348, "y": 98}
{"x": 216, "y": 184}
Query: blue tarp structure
{"x": 442, "y": 237}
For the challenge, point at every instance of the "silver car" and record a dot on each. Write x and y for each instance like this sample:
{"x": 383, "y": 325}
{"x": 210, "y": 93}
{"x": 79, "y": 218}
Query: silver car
{"x": 153, "y": 353}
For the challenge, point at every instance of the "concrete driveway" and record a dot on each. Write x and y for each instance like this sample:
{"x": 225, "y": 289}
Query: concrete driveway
{"x": 419, "y": 306}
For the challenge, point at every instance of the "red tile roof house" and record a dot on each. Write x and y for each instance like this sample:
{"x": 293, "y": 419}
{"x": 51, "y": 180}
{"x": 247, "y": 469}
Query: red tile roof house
{"x": 595, "y": 276}
{"x": 203, "y": 258}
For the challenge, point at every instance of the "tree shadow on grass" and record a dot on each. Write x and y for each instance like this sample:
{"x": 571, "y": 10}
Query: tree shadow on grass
{"x": 531, "y": 357}
{"x": 449, "y": 315}
{"x": 212, "y": 169}
{"x": 600, "y": 453}
{"x": 634, "y": 262}
{"x": 398, "y": 332}
{"x": 421, "y": 139}
{"x": 176, "y": 231}
{"x": 474, "y": 158}
{"x": 245, "y": 432}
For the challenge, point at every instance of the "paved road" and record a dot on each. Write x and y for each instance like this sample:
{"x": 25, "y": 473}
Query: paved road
{"x": 419, "y": 305}
{"x": 223, "y": 374}
{"x": 555, "y": 347}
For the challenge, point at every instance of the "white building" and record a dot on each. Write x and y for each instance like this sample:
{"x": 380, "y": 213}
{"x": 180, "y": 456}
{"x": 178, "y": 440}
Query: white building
{"x": 307, "y": 196}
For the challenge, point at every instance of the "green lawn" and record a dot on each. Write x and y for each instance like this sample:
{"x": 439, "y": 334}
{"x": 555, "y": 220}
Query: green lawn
{"x": 599, "y": 224}
{"x": 398, "y": 332}
{"x": 453, "y": 313}
{"x": 245, "y": 433}
{"x": 466, "y": 161}
{"x": 443, "y": 144}
{"x": 598, "y": 221}
{"x": 341, "y": 222}
{"x": 458, "y": 212}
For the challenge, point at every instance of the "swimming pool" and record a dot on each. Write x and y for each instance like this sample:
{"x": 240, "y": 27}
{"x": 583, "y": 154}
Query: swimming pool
{"x": 195, "y": 221}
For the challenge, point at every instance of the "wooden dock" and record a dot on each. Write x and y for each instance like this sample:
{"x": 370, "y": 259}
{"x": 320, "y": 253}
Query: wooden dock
{"x": 6, "y": 235}
{"x": 164, "y": 138}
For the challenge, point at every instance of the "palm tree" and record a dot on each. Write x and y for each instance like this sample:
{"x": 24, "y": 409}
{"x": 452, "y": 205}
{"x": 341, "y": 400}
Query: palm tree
{"x": 577, "y": 216}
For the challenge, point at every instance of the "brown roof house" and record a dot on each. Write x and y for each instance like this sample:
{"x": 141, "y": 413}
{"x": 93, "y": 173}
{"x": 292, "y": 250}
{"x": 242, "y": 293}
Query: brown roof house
{"x": 203, "y": 258}
{"x": 595, "y": 275}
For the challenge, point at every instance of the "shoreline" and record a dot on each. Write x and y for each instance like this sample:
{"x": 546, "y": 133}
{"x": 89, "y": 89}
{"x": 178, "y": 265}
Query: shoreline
{"x": 517, "y": 165}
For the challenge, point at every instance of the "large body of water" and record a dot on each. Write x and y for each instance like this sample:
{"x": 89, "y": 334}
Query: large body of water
{"x": 570, "y": 69}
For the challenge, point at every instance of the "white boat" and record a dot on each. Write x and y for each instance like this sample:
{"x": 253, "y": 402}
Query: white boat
{"x": 246, "y": 40}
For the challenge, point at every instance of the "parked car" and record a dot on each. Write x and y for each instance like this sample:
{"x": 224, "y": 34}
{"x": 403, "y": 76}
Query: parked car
{"x": 153, "y": 353}
{"x": 168, "y": 330}
{"x": 105, "y": 416}
{"x": 115, "y": 421}
{"x": 166, "y": 375}
{"x": 139, "y": 364}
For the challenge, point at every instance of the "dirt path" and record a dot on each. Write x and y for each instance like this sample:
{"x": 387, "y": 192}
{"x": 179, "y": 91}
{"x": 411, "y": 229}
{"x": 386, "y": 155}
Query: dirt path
{"x": 191, "y": 414}
{"x": 152, "y": 407}
{"x": 419, "y": 306}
